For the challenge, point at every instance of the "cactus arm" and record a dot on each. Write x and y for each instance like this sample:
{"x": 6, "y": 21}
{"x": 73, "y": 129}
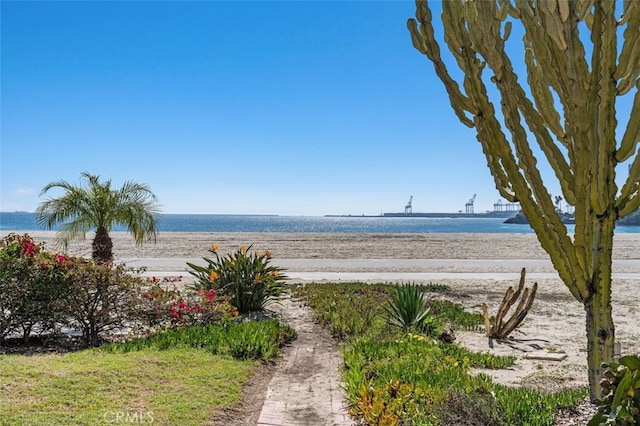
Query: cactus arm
{"x": 539, "y": 208}
{"x": 539, "y": 203}
{"x": 424, "y": 41}
{"x": 521, "y": 311}
{"x": 628, "y": 68}
{"x": 629, "y": 199}
{"x": 604, "y": 122}
{"x": 510, "y": 297}
{"x": 542, "y": 95}
{"x": 631, "y": 136}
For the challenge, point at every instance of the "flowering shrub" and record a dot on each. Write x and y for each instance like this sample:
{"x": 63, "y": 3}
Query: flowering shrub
{"x": 162, "y": 307}
{"x": 33, "y": 285}
{"x": 245, "y": 276}
{"x": 45, "y": 290}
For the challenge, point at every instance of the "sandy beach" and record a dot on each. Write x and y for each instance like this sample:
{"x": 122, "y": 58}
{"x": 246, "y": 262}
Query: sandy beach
{"x": 337, "y": 245}
{"x": 478, "y": 268}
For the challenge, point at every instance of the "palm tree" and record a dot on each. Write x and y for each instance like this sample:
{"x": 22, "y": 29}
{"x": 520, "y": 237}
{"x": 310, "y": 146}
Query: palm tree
{"x": 98, "y": 206}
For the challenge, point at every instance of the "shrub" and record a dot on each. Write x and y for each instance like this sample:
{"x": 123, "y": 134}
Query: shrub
{"x": 169, "y": 307}
{"x": 407, "y": 309}
{"x": 103, "y": 297}
{"x": 245, "y": 276}
{"x": 33, "y": 286}
{"x": 621, "y": 389}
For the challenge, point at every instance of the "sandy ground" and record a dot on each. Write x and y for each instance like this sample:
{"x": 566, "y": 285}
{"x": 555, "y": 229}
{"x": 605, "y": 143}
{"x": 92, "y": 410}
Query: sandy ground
{"x": 478, "y": 268}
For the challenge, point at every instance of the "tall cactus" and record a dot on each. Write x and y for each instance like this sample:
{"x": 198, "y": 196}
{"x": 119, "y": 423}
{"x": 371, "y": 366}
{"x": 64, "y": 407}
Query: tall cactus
{"x": 569, "y": 111}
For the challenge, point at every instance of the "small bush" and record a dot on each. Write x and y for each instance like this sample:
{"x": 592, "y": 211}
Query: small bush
{"x": 162, "y": 307}
{"x": 102, "y": 298}
{"x": 245, "y": 276}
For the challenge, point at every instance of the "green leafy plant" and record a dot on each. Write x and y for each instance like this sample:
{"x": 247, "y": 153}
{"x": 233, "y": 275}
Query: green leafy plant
{"x": 620, "y": 384}
{"x": 245, "y": 276}
{"x": 408, "y": 309}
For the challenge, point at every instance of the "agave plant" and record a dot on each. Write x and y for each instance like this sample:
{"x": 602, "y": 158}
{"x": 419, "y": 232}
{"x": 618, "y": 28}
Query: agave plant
{"x": 407, "y": 308}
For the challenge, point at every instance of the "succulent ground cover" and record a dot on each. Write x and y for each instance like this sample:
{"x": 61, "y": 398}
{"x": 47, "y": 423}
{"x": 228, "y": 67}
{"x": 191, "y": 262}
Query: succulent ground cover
{"x": 396, "y": 377}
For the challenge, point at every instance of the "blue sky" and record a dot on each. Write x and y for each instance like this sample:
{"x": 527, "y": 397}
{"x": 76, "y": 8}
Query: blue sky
{"x": 291, "y": 108}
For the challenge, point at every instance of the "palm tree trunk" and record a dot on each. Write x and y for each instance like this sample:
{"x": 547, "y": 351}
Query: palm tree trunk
{"x": 102, "y": 247}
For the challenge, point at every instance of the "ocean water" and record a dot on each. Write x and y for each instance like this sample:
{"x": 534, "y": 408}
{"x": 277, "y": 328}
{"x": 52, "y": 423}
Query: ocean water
{"x": 252, "y": 223}
{"x": 19, "y": 221}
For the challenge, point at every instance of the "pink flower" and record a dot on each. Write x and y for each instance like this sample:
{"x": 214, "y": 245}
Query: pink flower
{"x": 29, "y": 248}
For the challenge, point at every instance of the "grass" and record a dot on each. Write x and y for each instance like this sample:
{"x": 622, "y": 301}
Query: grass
{"x": 180, "y": 376}
{"x": 174, "y": 386}
{"x": 392, "y": 377}
{"x": 244, "y": 341}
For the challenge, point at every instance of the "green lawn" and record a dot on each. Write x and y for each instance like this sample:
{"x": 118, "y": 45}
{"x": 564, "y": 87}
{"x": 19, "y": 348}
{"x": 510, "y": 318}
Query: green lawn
{"x": 177, "y": 386}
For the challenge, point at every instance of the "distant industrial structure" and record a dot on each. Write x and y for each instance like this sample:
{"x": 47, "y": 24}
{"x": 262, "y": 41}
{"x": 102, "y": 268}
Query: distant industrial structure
{"x": 499, "y": 206}
{"x": 408, "y": 209}
{"x": 500, "y": 210}
{"x": 468, "y": 208}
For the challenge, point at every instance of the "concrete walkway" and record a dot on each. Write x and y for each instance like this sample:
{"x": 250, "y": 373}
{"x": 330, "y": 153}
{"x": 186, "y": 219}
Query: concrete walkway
{"x": 392, "y": 270}
{"x": 305, "y": 389}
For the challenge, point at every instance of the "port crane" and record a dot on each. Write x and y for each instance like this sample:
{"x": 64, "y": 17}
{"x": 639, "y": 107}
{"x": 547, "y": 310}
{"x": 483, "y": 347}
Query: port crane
{"x": 558, "y": 205}
{"x": 468, "y": 207}
{"x": 499, "y": 206}
{"x": 408, "y": 209}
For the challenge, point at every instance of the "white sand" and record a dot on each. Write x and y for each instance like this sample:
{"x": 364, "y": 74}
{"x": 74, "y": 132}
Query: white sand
{"x": 478, "y": 267}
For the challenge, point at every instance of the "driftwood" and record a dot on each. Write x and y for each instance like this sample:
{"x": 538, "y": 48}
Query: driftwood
{"x": 500, "y": 329}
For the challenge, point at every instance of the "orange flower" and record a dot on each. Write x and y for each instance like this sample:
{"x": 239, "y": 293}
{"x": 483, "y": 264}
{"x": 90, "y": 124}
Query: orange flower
{"x": 275, "y": 274}
{"x": 243, "y": 250}
{"x": 257, "y": 278}
{"x": 214, "y": 247}
{"x": 268, "y": 254}
{"x": 213, "y": 276}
